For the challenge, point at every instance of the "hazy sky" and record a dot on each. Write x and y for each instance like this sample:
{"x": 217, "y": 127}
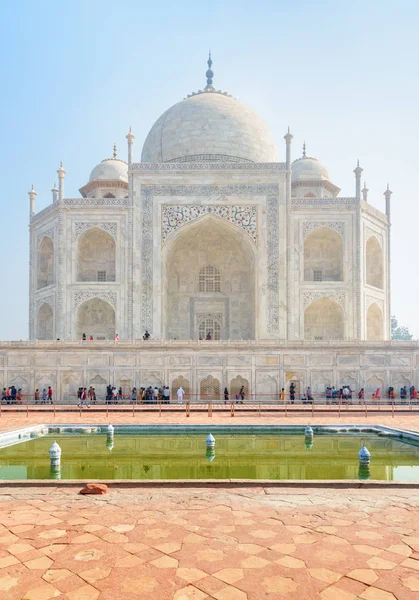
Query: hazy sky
{"x": 75, "y": 75}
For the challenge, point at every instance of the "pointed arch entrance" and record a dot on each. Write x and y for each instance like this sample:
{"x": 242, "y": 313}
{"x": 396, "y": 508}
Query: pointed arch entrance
{"x": 209, "y": 275}
{"x": 97, "y": 318}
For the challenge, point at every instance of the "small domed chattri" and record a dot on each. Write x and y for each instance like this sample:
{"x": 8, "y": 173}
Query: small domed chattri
{"x": 209, "y": 74}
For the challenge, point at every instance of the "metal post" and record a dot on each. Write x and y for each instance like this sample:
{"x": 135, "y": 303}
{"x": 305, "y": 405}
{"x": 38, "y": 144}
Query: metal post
{"x": 159, "y": 406}
{"x": 107, "y": 405}
{"x": 27, "y": 405}
{"x": 54, "y": 406}
{"x": 231, "y": 409}
{"x": 392, "y": 408}
{"x": 209, "y": 408}
{"x": 340, "y": 400}
{"x": 312, "y": 406}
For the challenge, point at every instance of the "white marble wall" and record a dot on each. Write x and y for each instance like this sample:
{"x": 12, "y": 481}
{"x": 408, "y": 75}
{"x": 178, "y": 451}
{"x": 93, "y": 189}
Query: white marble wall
{"x": 266, "y": 367}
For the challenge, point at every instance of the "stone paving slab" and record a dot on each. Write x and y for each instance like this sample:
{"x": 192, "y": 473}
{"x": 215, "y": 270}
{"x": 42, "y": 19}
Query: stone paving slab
{"x": 222, "y": 544}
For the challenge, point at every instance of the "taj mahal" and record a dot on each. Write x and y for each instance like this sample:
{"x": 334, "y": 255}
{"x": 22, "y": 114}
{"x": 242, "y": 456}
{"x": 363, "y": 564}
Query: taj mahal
{"x": 215, "y": 233}
{"x": 210, "y": 232}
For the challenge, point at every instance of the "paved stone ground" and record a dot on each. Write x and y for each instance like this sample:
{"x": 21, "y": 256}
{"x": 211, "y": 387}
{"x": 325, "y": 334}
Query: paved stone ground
{"x": 224, "y": 544}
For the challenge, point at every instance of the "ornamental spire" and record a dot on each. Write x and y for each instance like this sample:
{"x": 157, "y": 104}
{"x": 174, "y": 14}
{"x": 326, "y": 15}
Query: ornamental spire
{"x": 114, "y": 151}
{"x": 304, "y": 150}
{"x": 209, "y": 74}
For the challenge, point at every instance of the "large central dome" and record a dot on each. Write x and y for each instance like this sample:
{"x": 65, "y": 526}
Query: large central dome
{"x": 209, "y": 125}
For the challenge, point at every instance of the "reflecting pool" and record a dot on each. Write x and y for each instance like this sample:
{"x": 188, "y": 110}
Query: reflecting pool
{"x": 185, "y": 456}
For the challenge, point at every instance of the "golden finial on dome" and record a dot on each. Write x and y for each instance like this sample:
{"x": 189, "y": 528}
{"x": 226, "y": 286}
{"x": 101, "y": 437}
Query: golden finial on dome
{"x": 114, "y": 151}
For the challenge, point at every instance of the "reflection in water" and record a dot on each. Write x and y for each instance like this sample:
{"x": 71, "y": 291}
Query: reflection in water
{"x": 364, "y": 471}
{"x": 110, "y": 443}
{"x": 239, "y": 456}
{"x": 210, "y": 453}
{"x": 308, "y": 442}
{"x": 55, "y": 471}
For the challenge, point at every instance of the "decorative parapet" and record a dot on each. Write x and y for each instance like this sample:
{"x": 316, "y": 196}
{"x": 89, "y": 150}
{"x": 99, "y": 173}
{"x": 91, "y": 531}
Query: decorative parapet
{"x": 207, "y": 165}
{"x": 174, "y": 217}
{"x": 338, "y": 201}
{"x": 96, "y": 202}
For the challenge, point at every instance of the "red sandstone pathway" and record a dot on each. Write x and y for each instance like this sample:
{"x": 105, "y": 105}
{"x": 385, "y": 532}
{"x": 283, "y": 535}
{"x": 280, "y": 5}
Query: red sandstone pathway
{"x": 254, "y": 543}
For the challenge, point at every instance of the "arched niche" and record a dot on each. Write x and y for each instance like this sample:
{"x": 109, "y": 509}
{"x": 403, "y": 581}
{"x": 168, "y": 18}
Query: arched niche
{"x": 236, "y": 385}
{"x": 375, "y": 328}
{"x": 323, "y": 255}
{"x": 209, "y": 389}
{"x": 190, "y": 290}
{"x": 45, "y": 323}
{"x": 96, "y": 252}
{"x": 183, "y": 383}
{"x": 45, "y": 263}
{"x": 266, "y": 388}
{"x": 374, "y": 263}
{"x": 323, "y": 320}
{"x": 97, "y": 318}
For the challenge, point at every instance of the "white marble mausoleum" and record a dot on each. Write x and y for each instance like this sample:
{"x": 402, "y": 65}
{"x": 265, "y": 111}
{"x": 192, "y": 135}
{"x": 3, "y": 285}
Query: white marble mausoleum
{"x": 211, "y": 233}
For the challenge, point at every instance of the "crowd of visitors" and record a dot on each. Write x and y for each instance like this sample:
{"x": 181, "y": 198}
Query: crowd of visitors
{"x": 344, "y": 395}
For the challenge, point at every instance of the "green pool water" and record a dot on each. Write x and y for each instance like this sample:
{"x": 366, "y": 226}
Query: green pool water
{"x": 236, "y": 457}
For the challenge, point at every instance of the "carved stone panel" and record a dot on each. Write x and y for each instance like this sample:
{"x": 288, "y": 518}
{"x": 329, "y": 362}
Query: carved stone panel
{"x": 174, "y": 217}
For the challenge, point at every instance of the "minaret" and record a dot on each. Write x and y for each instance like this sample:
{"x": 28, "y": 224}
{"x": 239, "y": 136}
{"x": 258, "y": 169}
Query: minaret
{"x": 54, "y": 193}
{"x": 365, "y": 191}
{"x": 32, "y": 196}
{"x": 358, "y": 172}
{"x": 61, "y": 175}
{"x": 387, "y": 196}
{"x": 130, "y": 137}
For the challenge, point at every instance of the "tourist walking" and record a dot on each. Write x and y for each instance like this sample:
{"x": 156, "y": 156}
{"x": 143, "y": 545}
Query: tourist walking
{"x": 378, "y": 394}
{"x": 36, "y": 396}
{"x": 361, "y": 395}
{"x": 50, "y": 394}
{"x": 283, "y": 395}
{"x": 292, "y": 393}
{"x": 226, "y": 395}
{"x": 44, "y": 396}
{"x": 134, "y": 395}
{"x": 166, "y": 394}
{"x": 180, "y": 394}
{"x": 83, "y": 399}
{"x": 241, "y": 394}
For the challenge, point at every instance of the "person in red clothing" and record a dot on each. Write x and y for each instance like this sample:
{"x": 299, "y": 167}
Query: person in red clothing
{"x": 50, "y": 394}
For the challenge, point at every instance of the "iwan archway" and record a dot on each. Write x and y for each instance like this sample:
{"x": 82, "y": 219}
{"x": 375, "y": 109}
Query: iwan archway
{"x": 209, "y": 282}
